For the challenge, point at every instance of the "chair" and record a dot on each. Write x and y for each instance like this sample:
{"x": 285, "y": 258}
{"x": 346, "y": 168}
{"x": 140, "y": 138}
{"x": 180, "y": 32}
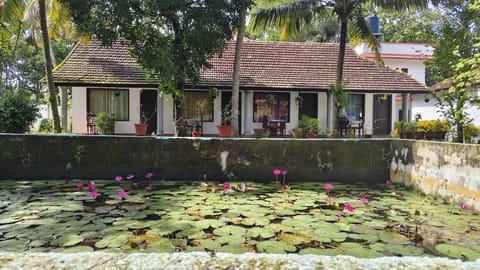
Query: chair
{"x": 91, "y": 128}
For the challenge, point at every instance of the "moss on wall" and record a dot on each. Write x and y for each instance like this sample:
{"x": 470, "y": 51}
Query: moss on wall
{"x": 104, "y": 157}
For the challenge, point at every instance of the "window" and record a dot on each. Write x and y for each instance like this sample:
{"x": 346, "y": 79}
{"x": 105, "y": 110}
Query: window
{"x": 196, "y": 104}
{"x": 273, "y": 105}
{"x": 355, "y": 107}
{"x": 109, "y": 100}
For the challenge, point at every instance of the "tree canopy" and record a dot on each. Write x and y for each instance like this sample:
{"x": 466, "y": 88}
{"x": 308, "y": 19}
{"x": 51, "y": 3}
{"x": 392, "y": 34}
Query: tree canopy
{"x": 171, "y": 39}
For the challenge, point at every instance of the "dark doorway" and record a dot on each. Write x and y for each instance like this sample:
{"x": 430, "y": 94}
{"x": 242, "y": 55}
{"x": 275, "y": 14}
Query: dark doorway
{"x": 226, "y": 98}
{"x": 382, "y": 114}
{"x": 148, "y": 109}
{"x": 308, "y": 104}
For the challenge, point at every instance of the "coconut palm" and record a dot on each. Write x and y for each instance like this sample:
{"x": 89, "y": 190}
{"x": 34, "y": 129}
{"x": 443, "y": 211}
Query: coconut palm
{"x": 26, "y": 17}
{"x": 290, "y": 17}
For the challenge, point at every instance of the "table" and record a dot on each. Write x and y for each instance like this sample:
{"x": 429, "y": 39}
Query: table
{"x": 277, "y": 127}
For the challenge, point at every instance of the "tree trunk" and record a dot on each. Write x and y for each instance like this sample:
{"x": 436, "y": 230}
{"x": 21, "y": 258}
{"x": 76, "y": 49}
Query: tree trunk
{"x": 49, "y": 67}
{"x": 236, "y": 73}
{"x": 339, "y": 79}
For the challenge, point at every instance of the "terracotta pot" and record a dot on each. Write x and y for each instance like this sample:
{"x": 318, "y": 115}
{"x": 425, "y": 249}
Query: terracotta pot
{"x": 224, "y": 131}
{"x": 196, "y": 134}
{"x": 141, "y": 129}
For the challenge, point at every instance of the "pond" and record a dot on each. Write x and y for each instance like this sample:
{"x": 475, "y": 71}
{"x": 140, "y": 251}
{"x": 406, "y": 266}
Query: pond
{"x": 168, "y": 216}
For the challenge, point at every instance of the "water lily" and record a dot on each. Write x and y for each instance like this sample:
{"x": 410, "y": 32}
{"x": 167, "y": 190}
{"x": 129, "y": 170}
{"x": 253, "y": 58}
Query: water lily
{"x": 149, "y": 176}
{"x": 129, "y": 176}
{"x": 349, "y": 207}
{"x": 328, "y": 186}
{"x": 91, "y": 186}
{"x": 227, "y": 186}
{"x": 463, "y": 207}
{"x": 121, "y": 193}
{"x": 94, "y": 194}
{"x": 388, "y": 183}
{"x": 80, "y": 186}
{"x": 276, "y": 171}
{"x": 284, "y": 173}
{"x": 118, "y": 178}
{"x": 363, "y": 200}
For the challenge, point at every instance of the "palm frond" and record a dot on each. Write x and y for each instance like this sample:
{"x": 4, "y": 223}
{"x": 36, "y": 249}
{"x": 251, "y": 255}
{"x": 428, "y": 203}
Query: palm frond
{"x": 288, "y": 18}
{"x": 359, "y": 31}
{"x": 12, "y": 11}
{"x": 399, "y": 5}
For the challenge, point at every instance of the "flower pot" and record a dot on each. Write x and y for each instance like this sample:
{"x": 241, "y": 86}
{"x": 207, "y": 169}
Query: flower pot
{"x": 224, "y": 131}
{"x": 259, "y": 132}
{"x": 141, "y": 129}
{"x": 311, "y": 135}
{"x": 418, "y": 135}
{"x": 196, "y": 134}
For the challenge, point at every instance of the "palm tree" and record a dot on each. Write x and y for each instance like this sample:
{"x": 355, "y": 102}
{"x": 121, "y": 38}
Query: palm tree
{"x": 28, "y": 19}
{"x": 49, "y": 66}
{"x": 290, "y": 17}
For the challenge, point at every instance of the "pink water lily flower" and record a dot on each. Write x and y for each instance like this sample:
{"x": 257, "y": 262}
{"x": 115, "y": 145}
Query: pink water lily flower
{"x": 80, "y": 186}
{"x": 328, "y": 186}
{"x": 349, "y": 207}
{"x": 463, "y": 207}
{"x": 121, "y": 193}
{"x": 276, "y": 172}
{"x": 94, "y": 194}
{"x": 129, "y": 176}
{"x": 363, "y": 200}
{"x": 227, "y": 186}
{"x": 149, "y": 175}
{"x": 118, "y": 178}
{"x": 388, "y": 182}
{"x": 284, "y": 172}
{"x": 91, "y": 186}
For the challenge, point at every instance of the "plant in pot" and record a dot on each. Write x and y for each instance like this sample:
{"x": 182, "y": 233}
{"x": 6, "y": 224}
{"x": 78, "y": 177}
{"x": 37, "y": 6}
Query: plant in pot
{"x": 201, "y": 110}
{"x": 141, "y": 128}
{"x": 409, "y": 129}
{"x": 439, "y": 129}
{"x": 341, "y": 104}
{"x": 105, "y": 122}
{"x": 310, "y": 125}
{"x": 225, "y": 129}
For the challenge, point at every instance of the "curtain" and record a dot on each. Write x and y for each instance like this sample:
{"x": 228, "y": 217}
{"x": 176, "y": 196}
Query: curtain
{"x": 114, "y": 101}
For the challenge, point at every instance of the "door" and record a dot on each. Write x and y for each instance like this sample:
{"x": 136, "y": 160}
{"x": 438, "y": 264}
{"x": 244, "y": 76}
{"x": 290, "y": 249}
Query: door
{"x": 382, "y": 114}
{"x": 226, "y": 98}
{"x": 308, "y": 105}
{"x": 148, "y": 108}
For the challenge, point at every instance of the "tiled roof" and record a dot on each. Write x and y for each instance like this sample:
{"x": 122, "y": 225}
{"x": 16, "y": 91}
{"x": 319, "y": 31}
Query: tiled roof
{"x": 269, "y": 65}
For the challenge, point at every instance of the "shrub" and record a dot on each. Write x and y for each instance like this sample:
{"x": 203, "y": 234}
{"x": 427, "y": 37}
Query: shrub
{"x": 470, "y": 132}
{"x": 410, "y": 126}
{"x": 105, "y": 122}
{"x": 309, "y": 124}
{"x": 18, "y": 111}
{"x": 45, "y": 125}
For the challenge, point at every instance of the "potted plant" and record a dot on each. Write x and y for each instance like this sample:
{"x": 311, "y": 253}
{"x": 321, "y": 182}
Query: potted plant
{"x": 225, "y": 129}
{"x": 409, "y": 128}
{"x": 439, "y": 129}
{"x": 105, "y": 122}
{"x": 141, "y": 128}
{"x": 201, "y": 109}
{"x": 310, "y": 126}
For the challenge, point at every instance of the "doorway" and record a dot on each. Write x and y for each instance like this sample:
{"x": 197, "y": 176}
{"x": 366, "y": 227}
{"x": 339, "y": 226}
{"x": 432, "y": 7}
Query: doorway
{"x": 148, "y": 109}
{"x": 308, "y": 105}
{"x": 382, "y": 114}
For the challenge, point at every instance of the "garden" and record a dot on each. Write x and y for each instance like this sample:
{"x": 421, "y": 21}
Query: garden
{"x": 133, "y": 213}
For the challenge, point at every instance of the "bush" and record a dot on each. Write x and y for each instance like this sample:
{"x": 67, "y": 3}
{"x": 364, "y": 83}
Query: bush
{"x": 105, "y": 122}
{"x": 309, "y": 124}
{"x": 470, "y": 132}
{"x": 45, "y": 126}
{"x": 18, "y": 111}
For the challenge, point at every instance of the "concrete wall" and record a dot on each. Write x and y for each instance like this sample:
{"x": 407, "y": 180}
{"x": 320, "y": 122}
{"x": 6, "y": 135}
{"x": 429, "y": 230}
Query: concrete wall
{"x": 104, "y": 157}
{"x": 448, "y": 170}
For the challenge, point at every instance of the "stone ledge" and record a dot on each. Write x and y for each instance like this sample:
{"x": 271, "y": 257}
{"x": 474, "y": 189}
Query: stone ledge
{"x": 203, "y": 260}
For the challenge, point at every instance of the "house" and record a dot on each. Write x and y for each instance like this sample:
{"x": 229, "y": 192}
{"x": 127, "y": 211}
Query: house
{"x": 296, "y": 75}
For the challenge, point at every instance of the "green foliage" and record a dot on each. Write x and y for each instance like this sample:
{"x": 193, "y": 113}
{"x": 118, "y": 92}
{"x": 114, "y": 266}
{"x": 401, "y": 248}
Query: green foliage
{"x": 105, "y": 122}
{"x": 470, "y": 132}
{"x": 45, "y": 125}
{"x": 18, "y": 111}
{"x": 309, "y": 124}
{"x": 410, "y": 126}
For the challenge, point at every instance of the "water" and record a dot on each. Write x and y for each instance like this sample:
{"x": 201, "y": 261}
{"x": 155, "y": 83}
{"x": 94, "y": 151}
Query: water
{"x": 55, "y": 216}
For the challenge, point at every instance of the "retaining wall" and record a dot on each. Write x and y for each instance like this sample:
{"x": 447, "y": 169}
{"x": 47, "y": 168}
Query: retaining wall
{"x": 448, "y": 170}
{"x": 104, "y": 157}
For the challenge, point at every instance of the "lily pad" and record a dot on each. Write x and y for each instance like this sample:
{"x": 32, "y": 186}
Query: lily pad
{"x": 457, "y": 252}
{"x": 265, "y": 233}
{"x": 229, "y": 230}
{"x": 275, "y": 247}
{"x": 393, "y": 238}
